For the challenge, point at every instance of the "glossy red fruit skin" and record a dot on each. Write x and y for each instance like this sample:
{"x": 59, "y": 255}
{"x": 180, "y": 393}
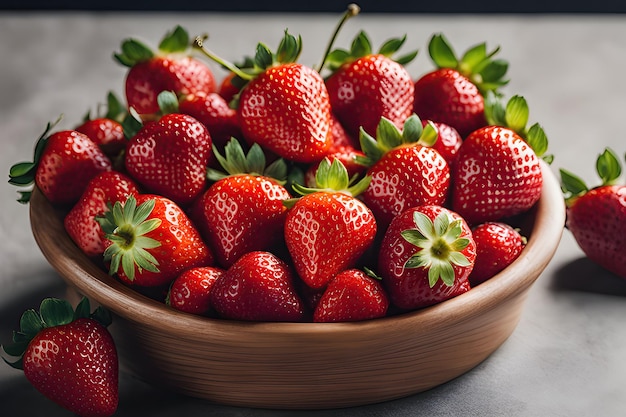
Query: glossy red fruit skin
{"x": 286, "y": 110}
{"x": 327, "y": 232}
{"x": 497, "y": 246}
{"x": 258, "y": 287}
{"x": 108, "y": 134}
{"x": 368, "y": 88}
{"x": 76, "y": 366}
{"x": 169, "y": 157}
{"x": 191, "y": 290}
{"x": 405, "y": 177}
{"x": 497, "y": 175}
{"x": 351, "y": 295}
{"x": 69, "y": 161}
{"x": 182, "y": 75}
{"x": 80, "y": 222}
{"x": 446, "y": 96}
{"x": 448, "y": 141}
{"x": 408, "y": 289}
{"x": 597, "y": 222}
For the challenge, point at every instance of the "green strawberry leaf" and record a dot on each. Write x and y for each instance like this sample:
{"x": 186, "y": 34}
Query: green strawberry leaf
{"x": 31, "y": 323}
{"x": 133, "y": 52}
{"x": 168, "y": 102}
{"x": 289, "y": 48}
{"x": 441, "y": 52}
{"x": 407, "y": 58}
{"x": 608, "y": 167}
{"x": 493, "y": 72}
{"x": 132, "y": 123}
{"x": 516, "y": 114}
{"x": 361, "y": 45}
{"x": 116, "y": 110}
{"x": 537, "y": 139}
{"x": 571, "y": 184}
{"x": 263, "y": 58}
{"x": 175, "y": 41}
{"x": 56, "y": 312}
{"x": 391, "y": 46}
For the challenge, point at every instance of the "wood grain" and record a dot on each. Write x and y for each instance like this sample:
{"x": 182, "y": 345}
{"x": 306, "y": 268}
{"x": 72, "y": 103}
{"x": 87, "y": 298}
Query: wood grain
{"x": 309, "y": 365}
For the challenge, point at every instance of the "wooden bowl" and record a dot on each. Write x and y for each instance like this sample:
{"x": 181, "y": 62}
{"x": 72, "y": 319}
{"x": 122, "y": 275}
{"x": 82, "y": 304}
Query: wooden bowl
{"x": 309, "y": 365}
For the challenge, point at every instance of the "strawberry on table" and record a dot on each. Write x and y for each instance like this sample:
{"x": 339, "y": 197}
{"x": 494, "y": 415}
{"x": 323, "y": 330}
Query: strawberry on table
{"x": 149, "y": 241}
{"x": 596, "y": 217}
{"x": 258, "y": 287}
{"x": 426, "y": 257}
{"x": 69, "y": 356}
{"x": 191, "y": 291}
{"x": 170, "y": 68}
{"x": 328, "y": 228}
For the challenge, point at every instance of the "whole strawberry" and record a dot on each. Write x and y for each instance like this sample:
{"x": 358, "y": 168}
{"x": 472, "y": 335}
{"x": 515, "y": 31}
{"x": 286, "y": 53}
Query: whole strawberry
{"x": 63, "y": 163}
{"x": 149, "y": 241}
{"x": 426, "y": 257}
{"x": 454, "y": 93}
{"x": 284, "y": 106}
{"x": 191, "y": 291}
{"x": 448, "y": 141}
{"x": 102, "y": 191}
{"x": 258, "y": 287}
{"x": 596, "y": 217}
{"x": 243, "y": 210}
{"x": 170, "y": 68}
{"x": 365, "y": 85}
{"x": 497, "y": 245}
{"x": 328, "y": 229}
{"x": 69, "y": 356}
{"x": 352, "y": 295}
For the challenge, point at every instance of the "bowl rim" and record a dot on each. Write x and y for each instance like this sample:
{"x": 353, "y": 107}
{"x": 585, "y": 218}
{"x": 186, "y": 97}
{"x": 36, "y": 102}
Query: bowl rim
{"x": 134, "y": 306}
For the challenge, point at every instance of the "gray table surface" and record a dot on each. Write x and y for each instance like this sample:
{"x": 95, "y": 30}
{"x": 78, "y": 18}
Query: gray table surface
{"x": 567, "y": 355}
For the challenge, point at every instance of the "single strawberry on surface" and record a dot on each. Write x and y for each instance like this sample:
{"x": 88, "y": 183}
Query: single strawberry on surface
{"x": 497, "y": 245}
{"x": 191, "y": 290}
{"x": 596, "y": 217}
{"x": 426, "y": 257}
{"x": 258, "y": 287}
{"x": 149, "y": 241}
{"x": 170, "y": 68}
{"x": 69, "y": 356}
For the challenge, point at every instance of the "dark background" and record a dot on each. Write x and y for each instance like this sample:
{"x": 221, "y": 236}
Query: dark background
{"x": 332, "y": 6}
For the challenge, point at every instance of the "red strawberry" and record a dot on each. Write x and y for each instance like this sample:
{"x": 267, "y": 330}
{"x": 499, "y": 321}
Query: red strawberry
{"x": 171, "y": 68}
{"x": 454, "y": 93}
{"x": 497, "y": 246}
{"x": 169, "y": 157}
{"x": 328, "y": 229}
{"x": 284, "y": 107}
{"x": 257, "y": 287}
{"x": 69, "y": 357}
{"x": 191, "y": 291}
{"x": 213, "y": 111}
{"x": 596, "y": 216}
{"x": 106, "y": 130}
{"x": 150, "y": 241}
{"x": 426, "y": 256}
{"x": 405, "y": 170}
{"x": 366, "y": 85}
{"x": 448, "y": 141}
{"x": 243, "y": 210}
{"x": 351, "y": 295}
{"x": 63, "y": 164}
{"x": 80, "y": 222}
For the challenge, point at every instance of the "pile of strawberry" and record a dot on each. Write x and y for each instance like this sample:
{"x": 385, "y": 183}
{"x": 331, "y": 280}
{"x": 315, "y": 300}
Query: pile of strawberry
{"x": 344, "y": 192}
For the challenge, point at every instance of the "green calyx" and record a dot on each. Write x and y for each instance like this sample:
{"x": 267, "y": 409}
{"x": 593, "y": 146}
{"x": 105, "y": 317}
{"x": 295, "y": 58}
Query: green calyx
{"x": 235, "y": 162}
{"x": 477, "y": 64}
{"x": 389, "y": 137}
{"x": 440, "y": 247}
{"x": 514, "y": 115}
{"x": 608, "y": 168}
{"x": 52, "y": 312}
{"x": 134, "y": 51}
{"x": 332, "y": 177}
{"x": 126, "y": 225}
{"x": 114, "y": 109}
{"x": 22, "y": 174}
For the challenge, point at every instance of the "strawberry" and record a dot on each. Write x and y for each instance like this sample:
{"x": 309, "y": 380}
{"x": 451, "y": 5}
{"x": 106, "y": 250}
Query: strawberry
{"x": 328, "y": 229}
{"x": 258, "y": 287}
{"x": 170, "y": 68}
{"x": 102, "y": 191}
{"x": 405, "y": 170}
{"x": 284, "y": 106}
{"x": 595, "y": 217}
{"x": 69, "y": 356}
{"x": 497, "y": 246}
{"x": 191, "y": 291}
{"x": 169, "y": 156}
{"x": 426, "y": 257}
{"x": 454, "y": 93}
{"x": 498, "y": 173}
{"x": 63, "y": 163}
{"x": 448, "y": 141}
{"x": 243, "y": 210}
{"x": 348, "y": 156}
{"x": 106, "y": 130}
{"x": 352, "y": 295}
{"x": 365, "y": 85}
{"x": 149, "y": 241}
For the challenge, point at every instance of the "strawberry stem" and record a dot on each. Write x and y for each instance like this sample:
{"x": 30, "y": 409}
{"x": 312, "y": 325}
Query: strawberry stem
{"x": 198, "y": 43}
{"x": 352, "y": 10}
